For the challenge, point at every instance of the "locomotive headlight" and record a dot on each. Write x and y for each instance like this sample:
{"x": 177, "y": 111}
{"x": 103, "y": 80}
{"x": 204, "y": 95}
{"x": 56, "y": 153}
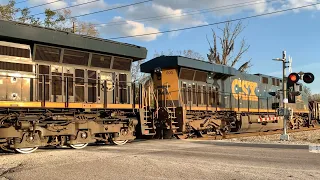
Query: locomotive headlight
{"x": 158, "y": 72}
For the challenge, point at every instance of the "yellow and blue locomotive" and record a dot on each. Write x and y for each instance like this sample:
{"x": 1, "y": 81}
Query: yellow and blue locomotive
{"x": 196, "y": 97}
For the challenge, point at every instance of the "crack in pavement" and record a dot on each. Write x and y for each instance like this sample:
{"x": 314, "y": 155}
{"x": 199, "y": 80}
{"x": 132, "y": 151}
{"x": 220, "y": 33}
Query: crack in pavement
{"x": 9, "y": 171}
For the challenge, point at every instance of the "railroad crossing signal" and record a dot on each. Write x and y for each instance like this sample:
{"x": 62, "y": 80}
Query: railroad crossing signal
{"x": 293, "y": 89}
{"x": 292, "y": 84}
{"x": 295, "y": 77}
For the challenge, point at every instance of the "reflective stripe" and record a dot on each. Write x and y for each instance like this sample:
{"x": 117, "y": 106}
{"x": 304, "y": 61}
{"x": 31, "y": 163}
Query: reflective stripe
{"x": 268, "y": 119}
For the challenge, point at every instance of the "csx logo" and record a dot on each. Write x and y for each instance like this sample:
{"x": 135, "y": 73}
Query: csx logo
{"x": 169, "y": 72}
{"x": 245, "y": 90}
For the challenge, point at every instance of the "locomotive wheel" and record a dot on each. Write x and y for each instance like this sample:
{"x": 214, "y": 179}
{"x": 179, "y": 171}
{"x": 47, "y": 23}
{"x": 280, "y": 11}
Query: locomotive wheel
{"x": 5, "y": 149}
{"x": 26, "y": 150}
{"x": 119, "y": 142}
{"x": 182, "y": 136}
{"x": 79, "y": 146}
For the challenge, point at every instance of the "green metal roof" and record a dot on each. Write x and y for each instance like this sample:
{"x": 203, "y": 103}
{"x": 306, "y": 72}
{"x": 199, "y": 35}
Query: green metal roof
{"x": 179, "y": 61}
{"x": 25, "y": 33}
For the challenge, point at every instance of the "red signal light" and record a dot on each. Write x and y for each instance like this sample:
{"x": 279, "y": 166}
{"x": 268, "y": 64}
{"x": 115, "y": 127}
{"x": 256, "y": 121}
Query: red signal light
{"x": 293, "y": 78}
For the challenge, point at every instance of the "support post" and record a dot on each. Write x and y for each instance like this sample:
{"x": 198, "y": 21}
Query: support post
{"x": 66, "y": 93}
{"x": 73, "y": 27}
{"x": 105, "y": 94}
{"x": 140, "y": 96}
{"x": 43, "y": 90}
{"x": 133, "y": 95}
{"x": 267, "y": 104}
{"x": 284, "y": 136}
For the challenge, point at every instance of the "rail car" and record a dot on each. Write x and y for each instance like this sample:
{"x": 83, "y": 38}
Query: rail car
{"x": 63, "y": 89}
{"x": 197, "y": 97}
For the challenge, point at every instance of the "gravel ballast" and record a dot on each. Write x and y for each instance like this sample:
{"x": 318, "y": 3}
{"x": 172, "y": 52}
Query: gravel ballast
{"x": 302, "y": 138}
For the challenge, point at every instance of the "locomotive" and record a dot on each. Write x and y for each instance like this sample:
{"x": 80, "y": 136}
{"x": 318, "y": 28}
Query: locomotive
{"x": 197, "y": 97}
{"x": 63, "y": 89}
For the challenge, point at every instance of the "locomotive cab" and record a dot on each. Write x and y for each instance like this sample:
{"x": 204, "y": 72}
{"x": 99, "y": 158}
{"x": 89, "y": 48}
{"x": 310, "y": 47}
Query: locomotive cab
{"x": 185, "y": 88}
{"x": 16, "y": 71}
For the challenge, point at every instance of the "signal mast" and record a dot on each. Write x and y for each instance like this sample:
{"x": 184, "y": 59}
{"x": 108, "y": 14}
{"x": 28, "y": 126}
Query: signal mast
{"x": 290, "y": 83}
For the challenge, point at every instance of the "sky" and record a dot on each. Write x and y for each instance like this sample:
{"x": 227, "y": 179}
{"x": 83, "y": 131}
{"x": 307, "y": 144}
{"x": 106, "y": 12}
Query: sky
{"x": 296, "y": 32}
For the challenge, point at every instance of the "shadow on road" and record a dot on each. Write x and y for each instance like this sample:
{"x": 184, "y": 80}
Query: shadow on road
{"x": 59, "y": 148}
{"x": 257, "y": 145}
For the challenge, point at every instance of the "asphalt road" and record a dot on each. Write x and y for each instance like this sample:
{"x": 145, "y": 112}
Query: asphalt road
{"x": 165, "y": 159}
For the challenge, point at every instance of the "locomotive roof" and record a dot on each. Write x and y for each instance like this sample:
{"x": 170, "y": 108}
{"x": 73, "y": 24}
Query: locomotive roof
{"x": 180, "y": 61}
{"x": 30, "y": 34}
{"x": 263, "y": 75}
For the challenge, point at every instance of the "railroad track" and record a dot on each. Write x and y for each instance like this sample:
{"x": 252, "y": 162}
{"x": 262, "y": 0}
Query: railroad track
{"x": 250, "y": 134}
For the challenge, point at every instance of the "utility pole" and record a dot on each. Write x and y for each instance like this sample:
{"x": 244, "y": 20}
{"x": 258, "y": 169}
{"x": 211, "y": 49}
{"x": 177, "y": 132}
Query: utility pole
{"x": 284, "y": 136}
{"x": 73, "y": 27}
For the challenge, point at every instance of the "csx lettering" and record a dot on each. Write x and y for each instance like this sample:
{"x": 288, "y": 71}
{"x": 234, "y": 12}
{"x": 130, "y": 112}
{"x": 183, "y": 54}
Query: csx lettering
{"x": 244, "y": 90}
{"x": 169, "y": 72}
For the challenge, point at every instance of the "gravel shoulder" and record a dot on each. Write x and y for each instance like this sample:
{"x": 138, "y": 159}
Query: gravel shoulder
{"x": 297, "y": 138}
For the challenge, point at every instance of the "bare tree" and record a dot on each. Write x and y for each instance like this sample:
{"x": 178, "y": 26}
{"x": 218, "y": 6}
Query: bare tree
{"x": 8, "y": 11}
{"x": 86, "y": 28}
{"x": 25, "y": 17}
{"x": 314, "y": 97}
{"x": 307, "y": 90}
{"x": 186, "y": 53}
{"x": 61, "y": 20}
{"x": 136, "y": 75}
{"x": 227, "y": 42}
{"x": 311, "y": 97}
{"x": 64, "y": 21}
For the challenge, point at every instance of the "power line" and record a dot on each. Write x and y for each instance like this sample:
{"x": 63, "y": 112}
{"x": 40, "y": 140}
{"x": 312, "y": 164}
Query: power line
{"x": 21, "y": 2}
{"x": 43, "y": 4}
{"x": 221, "y": 22}
{"x": 189, "y": 13}
{"x": 111, "y": 9}
{"x": 69, "y": 7}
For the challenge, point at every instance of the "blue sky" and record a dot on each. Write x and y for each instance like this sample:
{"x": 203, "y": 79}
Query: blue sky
{"x": 297, "y": 32}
